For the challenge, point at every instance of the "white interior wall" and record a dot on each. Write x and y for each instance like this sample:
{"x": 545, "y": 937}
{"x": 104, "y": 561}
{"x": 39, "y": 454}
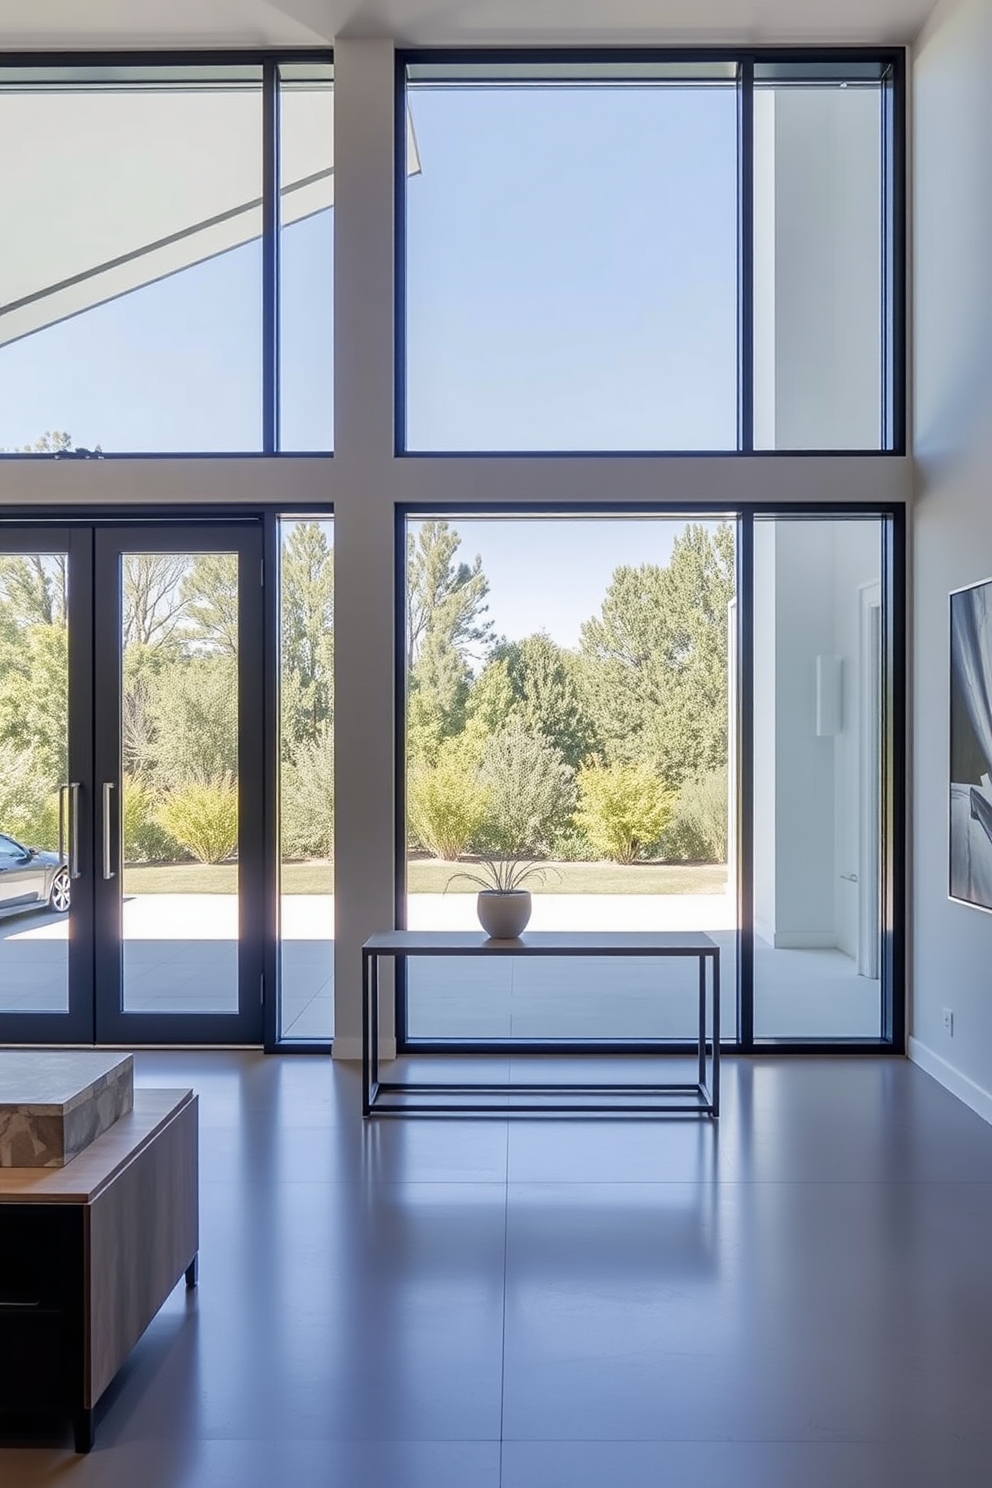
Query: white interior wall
{"x": 817, "y": 268}
{"x": 952, "y": 538}
{"x": 804, "y": 762}
{"x": 857, "y": 568}
{"x": 809, "y": 578}
{"x": 366, "y": 482}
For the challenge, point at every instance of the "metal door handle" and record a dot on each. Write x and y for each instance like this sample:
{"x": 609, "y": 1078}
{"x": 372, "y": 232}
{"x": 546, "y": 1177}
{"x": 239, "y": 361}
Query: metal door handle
{"x": 108, "y": 871}
{"x": 62, "y": 791}
{"x": 74, "y": 830}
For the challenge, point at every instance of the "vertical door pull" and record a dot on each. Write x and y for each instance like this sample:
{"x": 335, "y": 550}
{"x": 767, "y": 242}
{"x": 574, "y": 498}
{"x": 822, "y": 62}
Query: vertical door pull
{"x": 108, "y": 870}
{"x": 62, "y": 793}
{"x": 74, "y": 871}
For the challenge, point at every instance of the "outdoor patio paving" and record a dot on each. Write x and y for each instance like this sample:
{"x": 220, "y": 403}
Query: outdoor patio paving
{"x": 181, "y": 956}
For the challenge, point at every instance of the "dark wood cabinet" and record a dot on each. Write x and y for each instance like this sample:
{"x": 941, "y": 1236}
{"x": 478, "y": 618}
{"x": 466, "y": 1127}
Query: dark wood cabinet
{"x": 88, "y": 1254}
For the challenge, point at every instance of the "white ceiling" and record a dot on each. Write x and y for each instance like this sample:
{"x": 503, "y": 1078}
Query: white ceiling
{"x": 198, "y": 23}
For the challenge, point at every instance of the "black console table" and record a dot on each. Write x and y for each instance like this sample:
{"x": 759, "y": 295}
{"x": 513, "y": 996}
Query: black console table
{"x": 407, "y": 1098}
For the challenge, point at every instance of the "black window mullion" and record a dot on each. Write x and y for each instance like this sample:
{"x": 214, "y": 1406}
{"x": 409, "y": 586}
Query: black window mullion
{"x": 745, "y": 257}
{"x": 270, "y": 256}
{"x": 271, "y": 760}
{"x": 744, "y": 704}
{"x": 894, "y": 264}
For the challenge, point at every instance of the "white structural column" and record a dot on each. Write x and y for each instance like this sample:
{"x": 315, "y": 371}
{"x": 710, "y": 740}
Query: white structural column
{"x": 364, "y": 523}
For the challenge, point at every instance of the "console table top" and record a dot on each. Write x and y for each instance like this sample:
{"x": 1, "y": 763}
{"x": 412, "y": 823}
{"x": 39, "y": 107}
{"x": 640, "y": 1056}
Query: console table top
{"x": 543, "y": 943}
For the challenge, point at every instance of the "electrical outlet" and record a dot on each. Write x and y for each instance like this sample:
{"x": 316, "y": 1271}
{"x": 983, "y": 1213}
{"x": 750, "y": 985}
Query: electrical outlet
{"x": 949, "y": 1022}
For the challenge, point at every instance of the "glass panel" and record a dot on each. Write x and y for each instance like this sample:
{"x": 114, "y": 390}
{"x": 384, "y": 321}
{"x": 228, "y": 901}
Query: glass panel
{"x": 571, "y": 268}
{"x": 307, "y": 778}
{"x": 179, "y": 782}
{"x": 818, "y": 266}
{"x": 306, "y": 257}
{"x": 131, "y": 267}
{"x": 569, "y": 689}
{"x": 34, "y": 881}
{"x": 818, "y": 688}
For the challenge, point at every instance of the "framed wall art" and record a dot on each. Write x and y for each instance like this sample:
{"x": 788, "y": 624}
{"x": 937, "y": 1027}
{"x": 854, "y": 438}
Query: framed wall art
{"x": 971, "y": 746}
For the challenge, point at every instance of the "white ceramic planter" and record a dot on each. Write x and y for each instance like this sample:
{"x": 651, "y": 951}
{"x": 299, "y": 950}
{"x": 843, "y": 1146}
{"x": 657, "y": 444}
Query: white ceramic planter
{"x": 504, "y": 916}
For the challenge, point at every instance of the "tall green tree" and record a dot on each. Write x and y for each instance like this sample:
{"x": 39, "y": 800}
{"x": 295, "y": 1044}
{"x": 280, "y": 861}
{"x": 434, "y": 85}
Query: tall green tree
{"x": 208, "y": 601}
{"x": 307, "y": 634}
{"x": 446, "y": 629}
{"x": 33, "y": 589}
{"x": 153, "y": 608}
{"x": 33, "y": 694}
{"x": 654, "y": 661}
{"x": 548, "y": 694}
{"x": 446, "y": 599}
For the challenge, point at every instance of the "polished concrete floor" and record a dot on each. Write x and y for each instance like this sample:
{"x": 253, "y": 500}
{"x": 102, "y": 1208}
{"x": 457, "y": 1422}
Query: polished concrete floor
{"x": 797, "y": 1297}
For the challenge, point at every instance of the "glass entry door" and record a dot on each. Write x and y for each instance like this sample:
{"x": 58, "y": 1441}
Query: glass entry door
{"x": 178, "y": 784}
{"x": 131, "y": 823}
{"x": 46, "y": 754}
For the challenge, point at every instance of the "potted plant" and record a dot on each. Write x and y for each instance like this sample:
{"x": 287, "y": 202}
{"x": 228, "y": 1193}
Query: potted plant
{"x": 502, "y": 904}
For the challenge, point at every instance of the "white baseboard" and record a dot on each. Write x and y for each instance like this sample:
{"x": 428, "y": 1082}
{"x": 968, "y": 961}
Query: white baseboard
{"x": 966, "y": 1089}
{"x": 795, "y": 940}
{"x": 350, "y": 1049}
{"x": 805, "y": 940}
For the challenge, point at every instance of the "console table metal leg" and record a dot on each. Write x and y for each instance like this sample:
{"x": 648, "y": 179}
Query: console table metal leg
{"x": 374, "y": 1004}
{"x": 365, "y": 1034}
{"x": 83, "y": 1429}
{"x": 716, "y": 1033}
{"x": 701, "y": 1071}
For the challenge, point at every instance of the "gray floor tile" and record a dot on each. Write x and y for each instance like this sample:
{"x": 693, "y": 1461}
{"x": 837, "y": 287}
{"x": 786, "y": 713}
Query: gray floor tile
{"x": 796, "y": 1296}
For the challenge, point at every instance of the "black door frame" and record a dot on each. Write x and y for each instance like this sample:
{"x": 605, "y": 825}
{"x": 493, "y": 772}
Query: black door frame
{"x": 93, "y": 608}
{"x": 77, "y": 1025}
{"x": 114, "y": 1025}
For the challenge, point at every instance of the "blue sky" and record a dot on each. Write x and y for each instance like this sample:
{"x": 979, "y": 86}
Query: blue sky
{"x": 572, "y": 269}
{"x": 571, "y": 284}
{"x": 552, "y": 573}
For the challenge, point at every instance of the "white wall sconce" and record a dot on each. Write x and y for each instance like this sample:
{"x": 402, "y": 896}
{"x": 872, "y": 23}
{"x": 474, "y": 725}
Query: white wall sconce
{"x": 828, "y": 696}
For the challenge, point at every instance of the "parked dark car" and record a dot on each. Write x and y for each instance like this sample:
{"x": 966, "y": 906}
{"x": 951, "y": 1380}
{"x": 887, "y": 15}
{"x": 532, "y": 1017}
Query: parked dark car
{"x": 30, "y": 877}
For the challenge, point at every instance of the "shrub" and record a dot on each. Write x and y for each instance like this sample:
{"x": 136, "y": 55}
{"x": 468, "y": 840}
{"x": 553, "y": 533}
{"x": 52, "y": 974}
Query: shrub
{"x": 571, "y": 846}
{"x": 697, "y": 832}
{"x": 531, "y": 793}
{"x": 447, "y": 802}
{"x": 308, "y": 799}
{"x": 202, "y": 816}
{"x": 29, "y": 805}
{"x": 145, "y": 839}
{"x": 622, "y": 809}
{"x": 193, "y": 712}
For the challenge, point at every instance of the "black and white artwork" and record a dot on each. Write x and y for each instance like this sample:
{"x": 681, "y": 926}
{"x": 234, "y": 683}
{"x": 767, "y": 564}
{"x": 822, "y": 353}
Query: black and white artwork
{"x": 971, "y": 746}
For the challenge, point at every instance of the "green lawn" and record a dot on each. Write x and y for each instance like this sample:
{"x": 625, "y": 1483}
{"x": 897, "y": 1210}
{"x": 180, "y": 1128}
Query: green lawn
{"x": 427, "y": 876}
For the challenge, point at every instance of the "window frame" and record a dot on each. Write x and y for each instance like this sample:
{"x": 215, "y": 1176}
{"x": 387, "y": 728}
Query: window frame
{"x": 892, "y": 843}
{"x": 891, "y": 62}
{"x": 269, "y": 62}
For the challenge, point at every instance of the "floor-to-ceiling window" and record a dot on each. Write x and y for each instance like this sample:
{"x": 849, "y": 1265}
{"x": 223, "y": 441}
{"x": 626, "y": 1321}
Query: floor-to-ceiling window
{"x": 820, "y": 669}
{"x": 570, "y": 706}
{"x": 306, "y": 778}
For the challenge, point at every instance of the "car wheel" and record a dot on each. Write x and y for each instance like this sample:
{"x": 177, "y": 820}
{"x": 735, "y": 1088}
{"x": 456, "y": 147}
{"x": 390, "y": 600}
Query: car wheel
{"x": 58, "y": 899}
